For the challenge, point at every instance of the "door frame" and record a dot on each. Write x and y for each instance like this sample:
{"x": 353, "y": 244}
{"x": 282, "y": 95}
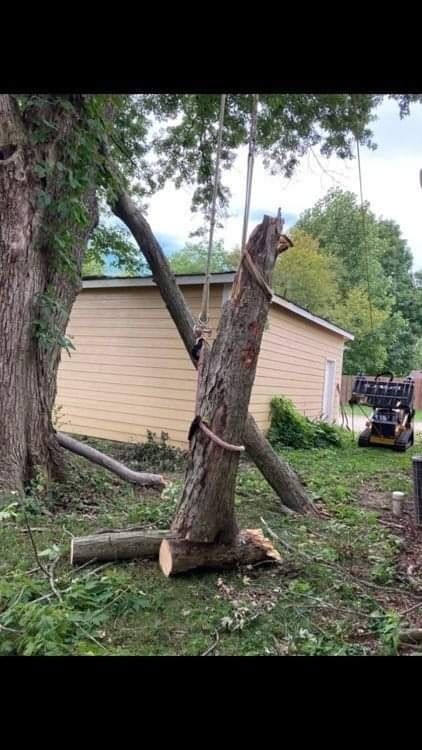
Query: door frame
{"x": 327, "y": 397}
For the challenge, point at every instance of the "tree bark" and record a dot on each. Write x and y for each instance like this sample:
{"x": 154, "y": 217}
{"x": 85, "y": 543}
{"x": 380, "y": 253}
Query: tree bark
{"x": 274, "y": 469}
{"x": 140, "y": 478}
{"x": 248, "y": 548}
{"x": 120, "y": 545}
{"x": 28, "y": 370}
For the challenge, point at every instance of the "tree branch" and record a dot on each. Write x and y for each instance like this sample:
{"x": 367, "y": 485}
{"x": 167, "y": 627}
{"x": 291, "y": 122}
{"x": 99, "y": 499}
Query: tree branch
{"x": 140, "y": 478}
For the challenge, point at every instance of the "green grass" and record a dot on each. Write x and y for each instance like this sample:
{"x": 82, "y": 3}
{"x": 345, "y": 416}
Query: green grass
{"x": 304, "y": 606}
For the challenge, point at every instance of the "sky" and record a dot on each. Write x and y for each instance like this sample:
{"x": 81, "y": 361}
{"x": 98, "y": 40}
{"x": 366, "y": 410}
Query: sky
{"x": 390, "y": 176}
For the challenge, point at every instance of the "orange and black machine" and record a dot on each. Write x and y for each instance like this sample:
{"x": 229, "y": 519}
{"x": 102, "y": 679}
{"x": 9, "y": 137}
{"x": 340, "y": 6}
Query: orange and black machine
{"x": 392, "y": 401}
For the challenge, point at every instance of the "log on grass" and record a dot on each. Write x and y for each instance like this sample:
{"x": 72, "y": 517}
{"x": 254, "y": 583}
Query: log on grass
{"x": 250, "y": 547}
{"x": 121, "y": 545}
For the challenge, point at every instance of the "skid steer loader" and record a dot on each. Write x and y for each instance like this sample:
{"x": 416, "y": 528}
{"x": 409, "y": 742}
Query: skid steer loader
{"x": 391, "y": 422}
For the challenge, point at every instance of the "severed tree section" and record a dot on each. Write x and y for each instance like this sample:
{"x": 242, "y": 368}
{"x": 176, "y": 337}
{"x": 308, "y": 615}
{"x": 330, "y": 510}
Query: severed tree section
{"x": 248, "y": 548}
{"x": 275, "y": 470}
{"x": 118, "y": 545}
{"x": 176, "y": 556}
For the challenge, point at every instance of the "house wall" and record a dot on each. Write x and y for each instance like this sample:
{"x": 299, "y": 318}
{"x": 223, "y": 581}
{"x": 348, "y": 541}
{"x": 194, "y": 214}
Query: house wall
{"x": 130, "y": 372}
{"x": 292, "y": 363}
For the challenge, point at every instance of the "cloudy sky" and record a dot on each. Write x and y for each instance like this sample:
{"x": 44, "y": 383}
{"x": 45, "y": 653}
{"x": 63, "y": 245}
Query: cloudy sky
{"x": 390, "y": 183}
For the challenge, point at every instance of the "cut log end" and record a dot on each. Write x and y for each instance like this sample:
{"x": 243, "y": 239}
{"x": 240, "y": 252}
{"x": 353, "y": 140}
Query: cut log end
{"x": 165, "y": 558}
{"x": 250, "y": 547}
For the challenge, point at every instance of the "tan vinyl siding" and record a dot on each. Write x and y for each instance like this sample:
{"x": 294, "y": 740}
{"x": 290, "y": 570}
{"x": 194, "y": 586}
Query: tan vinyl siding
{"x": 130, "y": 372}
{"x": 292, "y": 363}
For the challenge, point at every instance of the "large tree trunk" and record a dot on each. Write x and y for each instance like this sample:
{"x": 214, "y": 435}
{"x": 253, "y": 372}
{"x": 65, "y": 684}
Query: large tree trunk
{"x": 275, "y": 470}
{"x": 29, "y": 277}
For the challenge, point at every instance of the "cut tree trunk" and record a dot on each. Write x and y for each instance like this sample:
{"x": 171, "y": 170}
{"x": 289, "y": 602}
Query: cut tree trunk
{"x": 226, "y": 375}
{"x": 248, "y": 548}
{"x": 274, "y": 469}
{"x": 140, "y": 478}
{"x": 28, "y": 271}
{"x": 120, "y": 545}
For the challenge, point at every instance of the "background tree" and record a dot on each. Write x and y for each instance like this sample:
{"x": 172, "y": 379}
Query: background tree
{"x": 193, "y": 259}
{"x": 307, "y": 276}
{"x": 375, "y": 274}
{"x": 111, "y": 251}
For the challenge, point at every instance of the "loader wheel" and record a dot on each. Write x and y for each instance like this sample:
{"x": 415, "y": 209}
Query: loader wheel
{"x": 364, "y": 438}
{"x": 404, "y": 441}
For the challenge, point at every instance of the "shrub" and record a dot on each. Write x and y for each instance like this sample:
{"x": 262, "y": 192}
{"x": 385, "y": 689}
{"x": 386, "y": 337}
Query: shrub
{"x": 291, "y": 429}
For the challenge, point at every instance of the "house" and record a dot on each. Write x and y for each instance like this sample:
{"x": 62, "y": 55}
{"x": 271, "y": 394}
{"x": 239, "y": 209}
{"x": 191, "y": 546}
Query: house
{"x": 130, "y": 372}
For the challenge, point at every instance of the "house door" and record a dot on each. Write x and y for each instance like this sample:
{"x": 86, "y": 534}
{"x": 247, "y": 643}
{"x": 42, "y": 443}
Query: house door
{"x": 329, "y": 389}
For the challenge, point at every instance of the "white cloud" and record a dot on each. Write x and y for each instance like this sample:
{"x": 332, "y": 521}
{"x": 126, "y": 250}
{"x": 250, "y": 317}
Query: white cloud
{"x": 390, "y": 183}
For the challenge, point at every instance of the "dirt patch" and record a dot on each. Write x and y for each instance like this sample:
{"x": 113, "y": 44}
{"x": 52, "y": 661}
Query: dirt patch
{"x": 409, "y": 559}
{"x": 375, "y": 500}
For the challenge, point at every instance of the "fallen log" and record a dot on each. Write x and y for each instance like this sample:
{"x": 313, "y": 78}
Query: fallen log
{"x": 249, "y": 547}
{"x": 140, "y": 478}
{"x": 121, "y": 545}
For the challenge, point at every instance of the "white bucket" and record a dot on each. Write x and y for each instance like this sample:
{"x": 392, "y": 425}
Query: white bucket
{"x": 397, "y": 499}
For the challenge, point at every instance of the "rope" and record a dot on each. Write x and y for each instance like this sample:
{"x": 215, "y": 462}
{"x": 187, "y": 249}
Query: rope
{"x": 198, "y": 422}
{"x": 249, "y": 174}
{"x": 203, "y": 320}
{"x": 284, "y": 241}
{"x": 245, "y": 256}
{"x": 202, "y": 325}
{"x": 365, "y": 236}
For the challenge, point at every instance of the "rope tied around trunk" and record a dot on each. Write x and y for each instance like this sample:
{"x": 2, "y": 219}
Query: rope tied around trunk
{"x": 198, "y": 423}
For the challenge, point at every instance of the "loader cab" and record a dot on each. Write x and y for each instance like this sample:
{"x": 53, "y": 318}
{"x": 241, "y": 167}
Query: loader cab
{"x": 391, "y": 422}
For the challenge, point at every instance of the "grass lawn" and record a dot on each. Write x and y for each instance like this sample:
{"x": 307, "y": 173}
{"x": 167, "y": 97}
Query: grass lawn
{"x": 343, "y": 586}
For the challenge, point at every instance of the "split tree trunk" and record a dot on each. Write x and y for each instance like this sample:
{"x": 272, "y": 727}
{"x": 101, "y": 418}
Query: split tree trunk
{"x": 28, "y": 369}
{"x": 275, "y": 470}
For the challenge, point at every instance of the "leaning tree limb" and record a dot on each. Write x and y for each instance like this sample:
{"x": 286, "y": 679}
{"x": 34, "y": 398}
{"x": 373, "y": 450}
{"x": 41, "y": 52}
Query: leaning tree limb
{"x": 140, "y": 478}
{"x": 275, "y": 470}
